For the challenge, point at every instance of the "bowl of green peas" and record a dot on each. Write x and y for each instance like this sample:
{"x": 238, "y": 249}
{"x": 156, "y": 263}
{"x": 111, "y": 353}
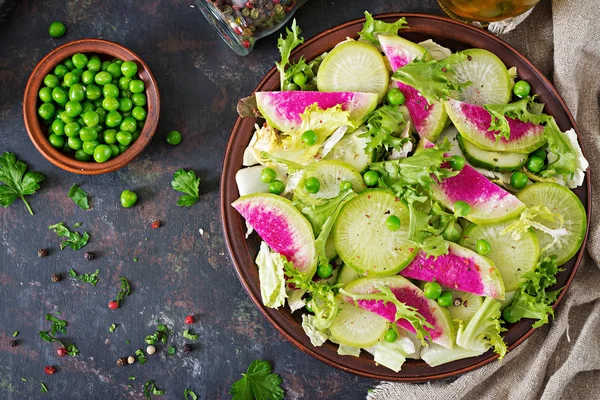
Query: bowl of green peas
{"x": 91, "y": 106}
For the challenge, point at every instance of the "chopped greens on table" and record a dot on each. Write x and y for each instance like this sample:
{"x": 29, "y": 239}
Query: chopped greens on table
{"x": 412, "y": 200}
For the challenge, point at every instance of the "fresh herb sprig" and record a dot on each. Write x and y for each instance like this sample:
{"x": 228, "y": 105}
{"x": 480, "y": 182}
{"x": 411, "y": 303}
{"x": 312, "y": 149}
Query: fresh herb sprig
{"x": 141, "y": 356}
{"x": 74, "y": 240}
{"x": 17, "y": 182}
{"x": 58, "y": 325}
{"x": 186, "y": 182}
{"x": 125, "y": 290}
{"x": 258, "y": 383}
{"x": 79, "y": 197}
{"x": 85, "y": 278}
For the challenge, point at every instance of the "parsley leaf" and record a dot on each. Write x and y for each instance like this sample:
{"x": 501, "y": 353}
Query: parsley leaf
{"x": 74, "y": 240}
{"x": 162, "y": 334}
{"x": 58, "y": 325}
{"x": 190, "y": 395}
{"x": 139, "y": 353}
{"x": 125, "y": 289}
{"x": 79, "y": 197}
{"x": 285, "y": 46}
{"x": 258, "y": 383}
{"x": 186, "y": 182}
{"x": 372, "y": 28}
{"x": 17, "y": 182}
{"x": 151, "y": 388}
{"x": 85, "y": 278}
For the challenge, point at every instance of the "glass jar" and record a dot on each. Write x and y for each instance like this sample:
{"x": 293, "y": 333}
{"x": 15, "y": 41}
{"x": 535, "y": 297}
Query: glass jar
{"x": 240, "y": 23}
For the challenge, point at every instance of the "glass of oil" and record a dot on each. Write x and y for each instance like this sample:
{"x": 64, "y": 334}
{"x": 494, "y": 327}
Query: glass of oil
{"x": 485, "y": 10}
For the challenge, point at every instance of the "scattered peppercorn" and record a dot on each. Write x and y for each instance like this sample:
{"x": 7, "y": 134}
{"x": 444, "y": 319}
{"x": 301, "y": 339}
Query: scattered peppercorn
{"x": 130, "y": 360}
{"x": 50, "y": 370}
{"x": 189, "y": 319}
{"x": 155, "y": 224}
{"x": 150, "y": 350}
{"x": 121, "y": 361}
{"x": 113, "y": 305}
{"x": 13, "y": 343}
{"x": 457, "y": 302}
{"x": 55, "y": 278}
{"x": 42, "y": 252}
{"x": 61, "y": 352}
{"x": 187, "y": 348}
{"x": 88, "y": 255}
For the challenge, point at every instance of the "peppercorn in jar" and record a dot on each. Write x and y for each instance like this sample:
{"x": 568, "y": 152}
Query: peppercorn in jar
{"x": 241, "y": 22}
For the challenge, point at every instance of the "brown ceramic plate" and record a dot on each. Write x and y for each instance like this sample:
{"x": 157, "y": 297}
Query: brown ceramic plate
{"x": 456, "y": 36}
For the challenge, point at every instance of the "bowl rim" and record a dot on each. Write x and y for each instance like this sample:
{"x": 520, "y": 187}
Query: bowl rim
{"x": 30, "y": 104}
{"x": 232, "y": 229}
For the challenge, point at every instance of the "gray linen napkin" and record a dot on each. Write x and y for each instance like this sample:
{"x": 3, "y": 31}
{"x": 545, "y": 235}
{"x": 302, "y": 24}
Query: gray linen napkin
{"x": 561, "y": 360}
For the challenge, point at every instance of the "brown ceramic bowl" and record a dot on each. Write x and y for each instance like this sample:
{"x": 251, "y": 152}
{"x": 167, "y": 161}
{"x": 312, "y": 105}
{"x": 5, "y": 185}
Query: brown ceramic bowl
{"x": 38, "y": 132}
{"x": 456, "y": 36}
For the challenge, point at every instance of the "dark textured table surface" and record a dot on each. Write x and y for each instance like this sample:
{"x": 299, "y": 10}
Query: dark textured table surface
{"x": 183, "y": 267}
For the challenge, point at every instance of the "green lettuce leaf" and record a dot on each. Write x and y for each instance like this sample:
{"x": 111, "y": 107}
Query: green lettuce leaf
{"x": 383, "y": 128}
{"x": 271, "y": 267}
{"x": 532, "y": 217}
{"x": 285, "y": 46}
{"x": 483, "y": 330}
{"x": 525, "y": 110}
{"x": 372, "y": 28}
{"x": 392, "y": 355}
{"x": 565, "y": 151}
{"x": 435, "y": 355}
{"x": 317, "y": 336}
{"x": 435, "y": 80}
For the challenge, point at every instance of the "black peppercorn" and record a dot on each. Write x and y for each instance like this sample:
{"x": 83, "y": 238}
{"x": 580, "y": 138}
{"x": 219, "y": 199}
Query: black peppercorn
{"x": 88, "y": 255}
{"x": 187, "y": 348}
{"x": 13, "y": 343}
{"x": 42, "y": 253}
{"x": 121, "y": 361}
{"x": 55, "y": 278}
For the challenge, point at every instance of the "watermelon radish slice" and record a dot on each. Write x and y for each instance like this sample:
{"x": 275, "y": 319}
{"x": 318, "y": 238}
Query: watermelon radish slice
{"x": 282, "y": 227}
{"x": 473, "y": 122}
{"x": 489, "y": 202}
{"x": 282, "y": 109}
{"x": 429, "y": 119}
{"x": 443, "y": 329}
{"x": 460, "y": 269}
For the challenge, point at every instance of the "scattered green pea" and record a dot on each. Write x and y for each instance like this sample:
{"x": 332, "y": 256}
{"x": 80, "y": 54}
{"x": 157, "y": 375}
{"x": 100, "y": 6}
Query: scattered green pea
{"x": 522, "y": 89}
{"x": 457, "y": 163}
{"x": 128, "y": 197}
{"x": 173, "y": 137}
{"x": 345, "y": 185}
{"x": 535, "y": 164}
{"x": 371, "y": 178}
{"x": 445, "y": 299}
{"x": 57, "y": 29}
{"x": 395, "y": 97}
{"x": 518, "y": 180}
{"x": 276, "y": 187}
{"x": 390, "y": 335}
{"x": 324, "y": 271}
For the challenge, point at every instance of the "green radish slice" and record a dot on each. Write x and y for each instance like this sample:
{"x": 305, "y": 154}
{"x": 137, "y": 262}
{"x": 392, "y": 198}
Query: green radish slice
{"x": 331, "y": 174}
{"x": 357, "y": 327}
{"x": 354, "y": 67}
{"x": 464, "y": 305}
{"x": 559, "y": 200}
{"x": 351, "y": 150}
{"x": 347, "y": 275}
{"x": 363, "y": 240}
{"x": 492, "y": 160}
{"x": 512, "y": 257}
{"x": 490, "y": 81}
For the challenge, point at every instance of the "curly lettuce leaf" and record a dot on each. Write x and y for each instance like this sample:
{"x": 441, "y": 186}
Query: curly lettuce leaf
{"x": 532, "y": 300}
{"x": 525, "y": 110}
{"x": 436, "y": 51}
{"x": 383, "y": 128}
{"x": 435, "y": 80}
{"x": 483, "y": 330}
{"x": 373, "y": 28}
{"x": 531, "y": 217}
{"x": 271, "y": 267}
{"x": 285, "y": 46}
{"x": 565, "y": 157}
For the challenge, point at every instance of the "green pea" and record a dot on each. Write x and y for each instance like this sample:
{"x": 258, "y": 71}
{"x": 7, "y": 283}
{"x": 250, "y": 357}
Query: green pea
{"x": 508, "y": 316}
{"x": 80, "y": 60}
{"x": 173, "y": 138}
{"x": 268, "y": 175}
{"x": 445, "y": 299}
{"x": 309, "y": 137}
{"x": 72, "y": 129}
{"x": 51, "y": 81}
{"x": 105, "y": 65}
{"x": 522, "y": 89}
{"x": 345, "y": 185}
{"x": 535, "y": 164}
{"x": 125, "y": 104}
{"x": 89, "y": 146}
{"x": 73, "y": 108}
{"x": 77, "y": 72}
{"x": 122, "y": 148}
{"x": 136, "y": 134}
{"x": 87, "y": 134}
{"x": 432, "y": 290}
{"x": 69, "y": 64}
{"x": 75, "y": 143}
{"x": 129, "y": 124}
{"x": 101, "y": 114}
{"x": 129, "y": 69}
{"x": 457, "y": 163}
{"x": 393, "y": 223}
{"x": 124, "y": 83}
{"x": 116, "y": 60}
{"x": 390, "y": 335}
{"x": 93, "y": 92}
{"x": 124, "y": 138}
{"x": 113, "y": 119}
{"x": 312, "y": 185}
{"x": 110, "y": 136}
{"x": 126, "y": 93}
{"x": 299, "y": 79}
{"x": 137, "y": 86}
{"x": 461, "y": 208}
{"x": 371, "y": 178}
{"x": 483, "y": 247}
{"x": 395, "y": 97}
{"x": 324, "y": 271}
{"x": 114, "y": 150}
{"x": 308, "y": 305}
{"x": 87, "y": 106}
{"x": 60, "y": 71}
{"x": 46, "y": 111}
{"x": 65, "y": 117}
{"x": 58, "y": 127}
{"x": 102, "y": 78}
{"x": 541, "y": 153}
{"x": 59, "y": 95}
{"x": 110, "y": 103}
{"x": 88, "y": 77}
{"x": 91, "y": 118}
{"x": 56, "y": 140}
{"x": 66, "y": 149}
{"x": 518, "y": 180}
{"x": 94, "y": 64}
{"x": 57, "y": 29}
{"x": 102, "y": 153}
{"x": 128, "y": 198}
{"x": 114, "y": 70}
{"x": 276, "y": 187}
{"x": 290, "y": 86}
{"x": 71, "y": 78}
{"x": 81, "y": 155}
{"x": 138, "y": 113}
{"x": 138, "y": 99}
{"x": 76, "y": 92}
{"x": 110, "y": 90}
{"x": 45, "y": 94}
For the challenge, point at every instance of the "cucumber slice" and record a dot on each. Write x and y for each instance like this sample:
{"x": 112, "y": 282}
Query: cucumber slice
{"x": 562, "y": 201}
{"x": 492, "y": 160}
{"x": 363, "y": 240}
{"x": 351, "y": 150}
{"x": 357, "y": 327}
{"x": 330, "y": 174}
{"x": 464, "y": 305}
{"x": 347, "y": 275}
{"x": 512, "y": 257}
{"x": 490, "y": 81}
{"x": 354, "y": 67}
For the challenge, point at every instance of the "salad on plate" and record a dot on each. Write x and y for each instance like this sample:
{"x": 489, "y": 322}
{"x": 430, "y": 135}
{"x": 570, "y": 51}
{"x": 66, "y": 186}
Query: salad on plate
{"x": 412, "y": 201}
